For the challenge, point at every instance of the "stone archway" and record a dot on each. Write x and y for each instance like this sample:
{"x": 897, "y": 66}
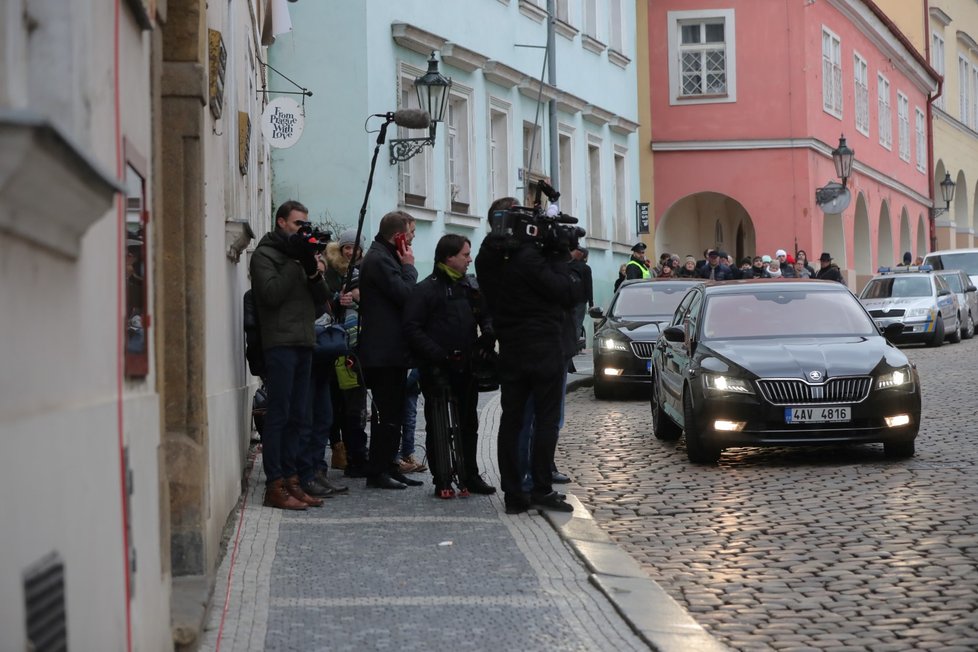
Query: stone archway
{"x": 923, "y": 237}
{"x": 962, "y": 216}
{"x": 862, "y": 248}
{"x": 703, "y": 220}
{"x": 905, "y": 242}
{"x": 884, "y": 239}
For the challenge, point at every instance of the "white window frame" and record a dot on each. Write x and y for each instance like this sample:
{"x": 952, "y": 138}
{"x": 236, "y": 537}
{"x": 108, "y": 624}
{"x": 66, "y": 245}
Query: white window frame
{"x": 920, "y": 124}
{"x": 885, "y": 115}
{"x": 973, "y": 98}
{"x": 860, "y": 76}
{"x": 537, "y": 148}
{"x": 565, "y": 172}
{"x": 963, "y": 67}
{"x": 562, "y": 9}
{"x": 595, "y": 220}
{"x": 414, "y": 175}
{"x": 831, "y": 73}
{"x": 675, "y": 20}
{"x": 589, "y": 21}
{"x": 937, "y": 55}
{"x": 499, "y": 147}
{"x": 903, "y": 121}
{"x": 458, "y": 148}
{"x": 621, "y": 228}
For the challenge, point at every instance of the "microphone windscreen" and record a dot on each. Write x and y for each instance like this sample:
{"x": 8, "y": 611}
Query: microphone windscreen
{"x": 412, "y": 118}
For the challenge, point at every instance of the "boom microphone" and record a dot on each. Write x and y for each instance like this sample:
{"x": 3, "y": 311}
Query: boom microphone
{"x": 410, "y": 118}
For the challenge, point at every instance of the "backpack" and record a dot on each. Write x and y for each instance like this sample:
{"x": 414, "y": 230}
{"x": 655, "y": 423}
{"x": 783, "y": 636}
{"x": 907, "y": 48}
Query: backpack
{"x": 252, "y": 329}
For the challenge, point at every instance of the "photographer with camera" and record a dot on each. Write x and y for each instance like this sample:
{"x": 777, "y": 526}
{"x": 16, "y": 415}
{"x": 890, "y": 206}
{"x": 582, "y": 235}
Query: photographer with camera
{"x": 287, "y": 287}
{"x": 447, "y": 328}
{"x": 522, "y": 267}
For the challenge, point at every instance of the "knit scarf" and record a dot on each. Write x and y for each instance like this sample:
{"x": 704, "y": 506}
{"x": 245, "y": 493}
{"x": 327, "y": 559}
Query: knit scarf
{"x": 449, "y": 272}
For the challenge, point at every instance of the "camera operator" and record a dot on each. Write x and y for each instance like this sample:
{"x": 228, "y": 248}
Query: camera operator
{"x": 529, "y": 289}
{"x": 442, "y": 323}
{"x": 287, "y": 288}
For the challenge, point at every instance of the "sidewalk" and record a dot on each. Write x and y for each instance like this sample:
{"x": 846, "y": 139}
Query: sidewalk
{"x": 402, "y": 570}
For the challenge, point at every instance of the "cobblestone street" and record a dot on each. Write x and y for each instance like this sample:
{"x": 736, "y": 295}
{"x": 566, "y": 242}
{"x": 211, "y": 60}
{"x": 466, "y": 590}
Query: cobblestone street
{"x": 824, "y": 549}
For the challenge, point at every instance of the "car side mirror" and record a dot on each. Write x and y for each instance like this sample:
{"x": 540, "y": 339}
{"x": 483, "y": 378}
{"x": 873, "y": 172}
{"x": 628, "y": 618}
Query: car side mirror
{"x": 971, "y": 288}
{"x": 674, "y": 334}
{"x": 943, "y": 293}
{"x": 892, "y": 330}
{"x": 596, "y": 312}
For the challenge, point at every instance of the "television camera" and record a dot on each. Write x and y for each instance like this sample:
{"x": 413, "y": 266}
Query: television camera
{"x": 549, "y": 228}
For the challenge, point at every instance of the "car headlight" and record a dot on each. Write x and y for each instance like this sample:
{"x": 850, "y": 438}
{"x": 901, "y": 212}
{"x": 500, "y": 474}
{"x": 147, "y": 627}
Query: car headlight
{"x": 897, "y": 378}
{"x": 727, "y": 384}
{"x": 919, "y": 312}
{"x": 610, "y": 344}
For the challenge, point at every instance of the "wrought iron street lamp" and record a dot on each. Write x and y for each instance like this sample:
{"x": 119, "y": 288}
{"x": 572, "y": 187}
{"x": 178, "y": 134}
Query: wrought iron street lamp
{"x": 433, "y": 91}
{"x": 947, "y": 194}
{"x": 842, "y": 158}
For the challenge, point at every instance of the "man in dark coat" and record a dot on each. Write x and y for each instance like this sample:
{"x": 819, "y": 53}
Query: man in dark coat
{"x": 446, "y": 326}
{"x": 714, "y": 269}
{"x": 828, "y": 270}
{"x": 387, "y": 276}
{"x": 287, "y": 287}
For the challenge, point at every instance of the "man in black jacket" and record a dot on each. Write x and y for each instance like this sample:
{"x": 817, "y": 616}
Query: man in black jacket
{"x": 442, "y": 323}
{"x": 529, "y": 290}
{"x": 828, "y": 270}
{"x": 287, "y": 287}
{"x": 387, "y": 276}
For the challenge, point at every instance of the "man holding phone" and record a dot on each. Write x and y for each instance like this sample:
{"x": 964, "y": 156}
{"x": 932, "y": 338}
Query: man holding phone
{"x": 387, "y": 276}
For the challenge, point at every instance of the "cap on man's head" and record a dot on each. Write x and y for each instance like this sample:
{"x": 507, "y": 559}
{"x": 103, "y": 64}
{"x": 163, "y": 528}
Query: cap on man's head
{"x": 639, "y": 246}
{"x": 711, "y": 253}
{"x": 746, "y": 261}
{"x": 780, "y": 252}
{"x": 765, "y": 258}
{"x": 907, "y": 257}
{"x": 825, "y": 257}
{"x": 722, "y": 254}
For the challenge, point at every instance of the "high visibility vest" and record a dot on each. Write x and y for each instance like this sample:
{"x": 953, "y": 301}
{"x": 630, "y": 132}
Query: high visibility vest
{"x": 645, "y": 270}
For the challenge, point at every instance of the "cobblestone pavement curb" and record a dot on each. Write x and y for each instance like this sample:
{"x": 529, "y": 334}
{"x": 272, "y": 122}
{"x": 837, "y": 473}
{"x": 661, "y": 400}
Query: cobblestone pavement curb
{"x": 402, "y": 570}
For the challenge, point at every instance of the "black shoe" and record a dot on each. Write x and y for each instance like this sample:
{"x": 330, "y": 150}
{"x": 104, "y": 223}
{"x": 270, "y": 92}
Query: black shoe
{"x": 323, "y": 481}
{"x": 516, "y": 503}
{"x": 559, "y": 478}
{"x": 551, "y": 501}
{"x": 315, "y": 489}
{"x": 475, "y": 484}
{"x": 384, "y": 481}
{"x": 403, "y": 479}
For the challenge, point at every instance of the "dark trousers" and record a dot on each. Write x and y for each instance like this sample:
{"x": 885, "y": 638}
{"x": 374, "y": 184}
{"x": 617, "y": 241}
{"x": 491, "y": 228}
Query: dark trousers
{"x": 387, "y": 385}
{"x": 287, "y": 381}
{"x": 438, "y": 387}
{"x": 540, "y": 376}
{"x": 349, "y": 421}
{"x": 314, "y": 437}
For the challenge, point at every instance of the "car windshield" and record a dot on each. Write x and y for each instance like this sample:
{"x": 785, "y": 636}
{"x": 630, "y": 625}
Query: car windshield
{"x": 647, "y": 300}
{"x": 954, "y": 281}
{"x": 785, "y": 313}
{"x": 897, "y": 287}
{"x": 966, "y": 261}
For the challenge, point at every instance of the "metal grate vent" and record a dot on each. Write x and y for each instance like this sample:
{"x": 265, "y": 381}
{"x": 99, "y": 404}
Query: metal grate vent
{"x": 44, "y": 599}
{"x": 797, "y": 392}
{"x": 643, "y": 349}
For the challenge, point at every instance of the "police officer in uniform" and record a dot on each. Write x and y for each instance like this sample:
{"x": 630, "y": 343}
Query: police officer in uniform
{"x": 637, "y": 266}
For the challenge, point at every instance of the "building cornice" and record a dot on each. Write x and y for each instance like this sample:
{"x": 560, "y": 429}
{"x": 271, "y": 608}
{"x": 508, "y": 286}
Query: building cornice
{"x": 462, "y": 58}
{"x": 955, "y": 123}
{"x": 500, "y": 73}
{"x": 813, "y": 144}
{"x": 938, "y": 16}
{"x": 416, "y": 39}
{"x": 865, "y": 15}
{"x": 967, "y": 42}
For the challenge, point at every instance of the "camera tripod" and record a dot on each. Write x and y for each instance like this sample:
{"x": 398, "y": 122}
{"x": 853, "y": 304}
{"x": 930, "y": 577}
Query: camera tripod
{"x": 448, "y": 465}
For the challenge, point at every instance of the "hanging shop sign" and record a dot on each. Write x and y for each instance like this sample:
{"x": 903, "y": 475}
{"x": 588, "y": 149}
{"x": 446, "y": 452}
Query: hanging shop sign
{"x": 282, "y": 122}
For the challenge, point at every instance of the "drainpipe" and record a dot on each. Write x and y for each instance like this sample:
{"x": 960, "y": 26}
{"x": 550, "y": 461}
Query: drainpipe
{"x": 931, "y": 220}
{"x": 552, "y": 104}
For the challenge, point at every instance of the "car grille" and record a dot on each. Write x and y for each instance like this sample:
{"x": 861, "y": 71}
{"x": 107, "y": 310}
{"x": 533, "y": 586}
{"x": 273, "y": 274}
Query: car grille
{"x": 643, "y": 349}
{"x": 886, "y": 313}
{"x": 836, "y": 390}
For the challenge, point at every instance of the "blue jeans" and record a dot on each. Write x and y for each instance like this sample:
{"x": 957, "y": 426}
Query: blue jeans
{"x": 412, "y": 389}
{"x": 287, "y": 381}
{"x": 314, "y": 437}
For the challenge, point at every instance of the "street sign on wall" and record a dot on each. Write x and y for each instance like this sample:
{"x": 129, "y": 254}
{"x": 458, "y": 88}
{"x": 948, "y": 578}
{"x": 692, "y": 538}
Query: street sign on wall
{"x": 642, "y": 217}
{"x": 282, "y": 122}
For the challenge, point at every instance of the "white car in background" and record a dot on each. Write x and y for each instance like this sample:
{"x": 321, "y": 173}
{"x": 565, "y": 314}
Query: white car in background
{"x": 962, "y": 285}
{"x": 964, "y": 259}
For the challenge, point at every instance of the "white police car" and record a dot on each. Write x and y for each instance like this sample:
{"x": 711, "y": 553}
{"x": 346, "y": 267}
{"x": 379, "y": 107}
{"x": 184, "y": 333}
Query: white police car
{"x": 918, "y": 299}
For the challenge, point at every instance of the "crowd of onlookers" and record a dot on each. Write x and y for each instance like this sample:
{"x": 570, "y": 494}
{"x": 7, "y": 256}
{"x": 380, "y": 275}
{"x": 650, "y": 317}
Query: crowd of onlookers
{"x": 718, "y": 265}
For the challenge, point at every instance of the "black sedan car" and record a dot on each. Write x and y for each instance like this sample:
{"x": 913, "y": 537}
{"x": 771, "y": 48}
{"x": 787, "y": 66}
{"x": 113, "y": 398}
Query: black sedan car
{"x": 624, "y": 337}
{"x": 780, "y": 362}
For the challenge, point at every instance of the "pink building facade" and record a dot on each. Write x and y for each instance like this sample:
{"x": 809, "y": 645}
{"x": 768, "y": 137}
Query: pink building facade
{"x": 749, "y": 99}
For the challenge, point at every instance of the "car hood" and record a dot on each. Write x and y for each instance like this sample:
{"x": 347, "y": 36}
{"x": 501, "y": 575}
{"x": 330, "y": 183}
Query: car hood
{"x": 798, "y": 358}
{"x": 904, "y": 303}
{"x": 641, "y": 331}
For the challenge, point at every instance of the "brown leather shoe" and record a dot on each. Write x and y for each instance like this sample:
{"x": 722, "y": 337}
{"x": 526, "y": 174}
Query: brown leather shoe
{"x": 295, "y": 490}
{"x": 339, "y": 461}
{"x": 277, "y": 496}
